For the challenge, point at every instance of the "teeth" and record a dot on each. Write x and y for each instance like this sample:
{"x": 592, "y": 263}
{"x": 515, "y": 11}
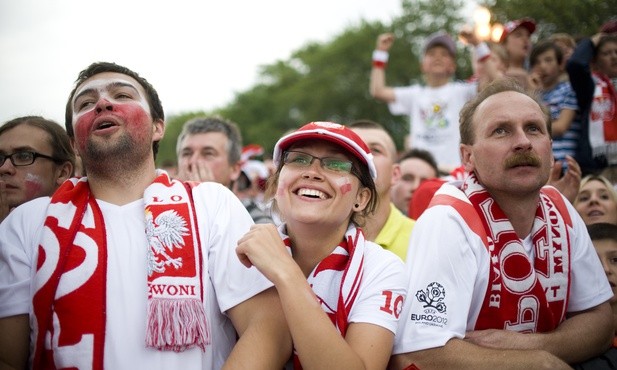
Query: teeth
{"x": 312, "y": 193}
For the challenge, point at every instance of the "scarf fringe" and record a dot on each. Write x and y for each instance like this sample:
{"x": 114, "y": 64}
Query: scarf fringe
{"x": 176, "y": 325}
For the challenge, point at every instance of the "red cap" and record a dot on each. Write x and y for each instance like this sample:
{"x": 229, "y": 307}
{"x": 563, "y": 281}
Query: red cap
{"x": 509, "y": 27}
{"x": 332, "y": 132}
{"x": 609, "y": 27}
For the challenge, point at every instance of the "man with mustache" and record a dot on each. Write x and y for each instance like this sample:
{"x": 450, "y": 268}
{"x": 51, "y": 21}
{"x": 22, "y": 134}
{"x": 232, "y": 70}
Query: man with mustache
{"x": 502, "y": 271}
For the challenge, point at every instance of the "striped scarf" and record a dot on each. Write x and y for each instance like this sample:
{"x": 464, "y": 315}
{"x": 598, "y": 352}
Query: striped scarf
{"x": 342, "y": 269}
{"x": 70, "y": 282}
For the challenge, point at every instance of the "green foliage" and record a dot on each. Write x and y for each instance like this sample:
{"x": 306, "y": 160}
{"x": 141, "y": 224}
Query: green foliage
{"x": 329, "y": 81}
{"x": 576, "y": 17}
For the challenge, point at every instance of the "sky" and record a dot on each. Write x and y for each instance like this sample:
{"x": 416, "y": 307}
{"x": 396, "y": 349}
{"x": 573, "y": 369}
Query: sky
{"x": 196, "y": 53}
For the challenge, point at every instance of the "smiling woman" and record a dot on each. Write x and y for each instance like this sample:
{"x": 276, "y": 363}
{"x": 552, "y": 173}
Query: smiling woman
{"x": 322, "y": 188}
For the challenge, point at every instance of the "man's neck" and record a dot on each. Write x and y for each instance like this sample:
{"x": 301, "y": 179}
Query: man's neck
{"x": 437, "y": 80}
{"x": 521, "y": 212}
{"x": 125, "y": 187}
{"x": 375, "y": 222}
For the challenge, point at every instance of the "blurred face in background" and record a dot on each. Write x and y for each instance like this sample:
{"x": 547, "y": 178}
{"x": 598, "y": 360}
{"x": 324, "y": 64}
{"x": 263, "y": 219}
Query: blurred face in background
{"x": 596, "y": 203}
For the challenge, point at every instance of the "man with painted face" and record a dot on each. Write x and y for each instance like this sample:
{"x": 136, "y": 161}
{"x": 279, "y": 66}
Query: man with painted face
{"x": 35, "y": 158}
{"x": 502, "y": 272}
{"x": 127, "y": 268}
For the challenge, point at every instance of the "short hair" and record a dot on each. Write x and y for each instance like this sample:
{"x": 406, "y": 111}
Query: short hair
{"x": 366, "y": 123}
{"x": 369, "y": 124}
{"x": 421, "y": 154}
{"x": 498, "y": 86}
{"x": 156, "y": 107}
{"x": 543, "y": 47}
{"x": 564, "y": 38}
{"x": 602, "y": 231}
{"x": 202, "y": 125}
{"x": 62, "y": 150}
{"x": 605, "y": 39}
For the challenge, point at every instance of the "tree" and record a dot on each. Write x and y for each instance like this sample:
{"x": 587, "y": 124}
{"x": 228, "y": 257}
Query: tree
{"x": 576, "y": 17}
{"x": 329, "y": 81}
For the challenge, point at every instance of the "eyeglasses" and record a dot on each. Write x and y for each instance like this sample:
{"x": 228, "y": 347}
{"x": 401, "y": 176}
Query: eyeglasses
{"x": 301, "y": 159}
{"x": 24, "y": 158}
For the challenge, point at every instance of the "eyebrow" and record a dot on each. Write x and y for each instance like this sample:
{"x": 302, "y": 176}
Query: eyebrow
{"x": 20, "y": 149}
{"x": 113, "y": 85}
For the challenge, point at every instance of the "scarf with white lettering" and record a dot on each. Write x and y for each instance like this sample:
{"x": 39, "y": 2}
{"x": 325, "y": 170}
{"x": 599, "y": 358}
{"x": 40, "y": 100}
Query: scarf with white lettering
{"x": 524, "y": 294}
{"x": 69, "y": 301}
{"x": 336, "y": 279}
{"x": 603, "y": 119}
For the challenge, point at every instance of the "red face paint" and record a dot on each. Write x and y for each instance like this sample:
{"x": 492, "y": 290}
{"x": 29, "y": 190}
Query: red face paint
{"x": 33, "y": 186}
{"x": 137, "y": 123}
{"x": 344, "y": 185}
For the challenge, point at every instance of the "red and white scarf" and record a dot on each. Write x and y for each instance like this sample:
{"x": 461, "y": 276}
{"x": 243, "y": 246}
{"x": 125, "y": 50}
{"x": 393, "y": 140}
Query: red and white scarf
{"x": 523, "y": 294}
{"x": 603, "y": 119}
{"x": 70, "y": 292}
{"x": 336, "y": 279}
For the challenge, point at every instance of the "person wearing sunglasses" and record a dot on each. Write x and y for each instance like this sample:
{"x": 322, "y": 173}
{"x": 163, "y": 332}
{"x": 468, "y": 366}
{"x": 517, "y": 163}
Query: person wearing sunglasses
{"x": 341, "y": 294}
{"x": 36, "y": 156}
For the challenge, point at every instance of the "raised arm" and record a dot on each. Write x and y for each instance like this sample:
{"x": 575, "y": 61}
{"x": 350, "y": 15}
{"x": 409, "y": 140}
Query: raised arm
{"x": 377, "y": 86}
{"x": 579, "y": 71}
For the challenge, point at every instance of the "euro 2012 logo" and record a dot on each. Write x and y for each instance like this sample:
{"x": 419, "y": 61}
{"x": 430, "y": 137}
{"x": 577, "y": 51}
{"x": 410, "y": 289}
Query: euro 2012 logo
{"x": 433, "y": 297}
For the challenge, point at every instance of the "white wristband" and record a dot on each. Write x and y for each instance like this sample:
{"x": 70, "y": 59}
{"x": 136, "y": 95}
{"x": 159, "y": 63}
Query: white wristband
{"x": 380, "y": 56}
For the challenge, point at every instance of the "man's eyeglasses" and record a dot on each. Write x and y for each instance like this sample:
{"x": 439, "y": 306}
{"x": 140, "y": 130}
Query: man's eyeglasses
{"x": 301, "y": 159}
{"x": 24, "y": 158}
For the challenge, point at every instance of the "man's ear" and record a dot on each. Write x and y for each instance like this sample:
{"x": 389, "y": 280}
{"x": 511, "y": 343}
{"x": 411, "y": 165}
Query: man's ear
{"x": 396, "y": 173}
{"x": 63, "y": 172}
{"x": 467, "y": 157}
{"x": 158, "y": 130}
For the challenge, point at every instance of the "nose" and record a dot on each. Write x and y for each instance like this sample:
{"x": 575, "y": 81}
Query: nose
{"x": 313, "y": 170}
{"x": 102, "y": 105}
{"x": 522, "y": 142}
{"x": 594, "y": 199}
{"x": 7, "y": 168}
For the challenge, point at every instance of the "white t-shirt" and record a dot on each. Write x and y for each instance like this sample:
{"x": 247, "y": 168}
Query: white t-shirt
{"x": 458, "y": 261}
{"x": 222, "y": 220}
{"x": 384, "y": 286}
{"x": 434, "y": 117}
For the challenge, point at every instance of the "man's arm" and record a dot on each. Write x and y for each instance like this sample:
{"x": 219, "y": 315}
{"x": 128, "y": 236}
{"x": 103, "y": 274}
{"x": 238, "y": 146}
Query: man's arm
{"x": 265, "y": 342}
{"x": 563, "y": 122}
{"x": 461, "y": 354}
{"x": 377, "y": 85}
{"x": 579, "y": 72}
{"x": 592, "y": 328}
{"x": 14, "y": 342}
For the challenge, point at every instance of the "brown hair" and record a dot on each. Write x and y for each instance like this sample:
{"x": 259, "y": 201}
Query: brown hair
{"x": 62, "y": 151}
{"x": 498, "y": 86}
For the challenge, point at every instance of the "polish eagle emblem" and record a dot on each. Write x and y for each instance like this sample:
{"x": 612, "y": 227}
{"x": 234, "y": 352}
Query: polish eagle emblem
{"x": 165, "y": 233}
